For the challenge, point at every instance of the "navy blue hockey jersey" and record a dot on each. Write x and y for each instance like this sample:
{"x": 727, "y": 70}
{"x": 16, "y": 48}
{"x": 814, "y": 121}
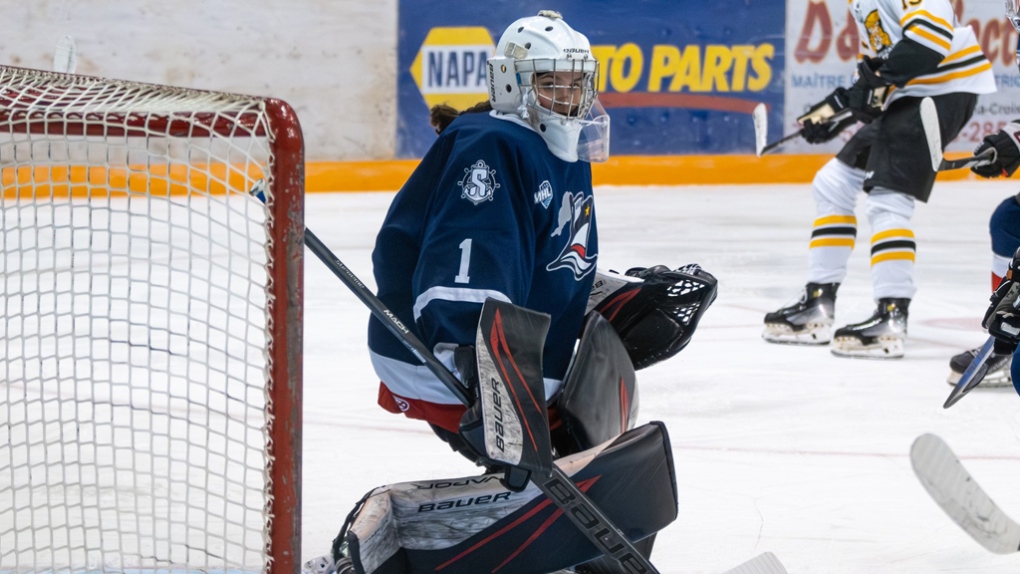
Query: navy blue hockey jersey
{"x": 489, "y": 212}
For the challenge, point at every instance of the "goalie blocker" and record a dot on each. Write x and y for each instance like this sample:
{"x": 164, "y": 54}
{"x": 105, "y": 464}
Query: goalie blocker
{"x": 475, "y": 524}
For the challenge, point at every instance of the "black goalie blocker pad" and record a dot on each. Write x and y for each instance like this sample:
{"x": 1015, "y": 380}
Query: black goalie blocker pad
{"x": 599, "y": 400}
{"x": 657, "y": 316}
{"x": 474, "y": 524}
{"x": 509, "y": 422}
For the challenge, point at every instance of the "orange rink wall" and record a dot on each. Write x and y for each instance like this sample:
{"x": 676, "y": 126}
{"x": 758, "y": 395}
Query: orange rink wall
{"x": 322, "y": 176}
{"x": 619, "y": 170}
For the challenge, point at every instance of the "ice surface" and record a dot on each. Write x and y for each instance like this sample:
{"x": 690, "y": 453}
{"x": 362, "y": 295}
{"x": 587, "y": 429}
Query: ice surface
{"x": 777, "y": 448}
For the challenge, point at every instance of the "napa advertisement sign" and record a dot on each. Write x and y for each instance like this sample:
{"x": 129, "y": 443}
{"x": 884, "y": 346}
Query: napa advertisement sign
{"x": 677, "y": 77}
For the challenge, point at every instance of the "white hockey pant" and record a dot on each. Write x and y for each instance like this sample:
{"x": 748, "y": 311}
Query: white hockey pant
{"x": 836, "y": 187}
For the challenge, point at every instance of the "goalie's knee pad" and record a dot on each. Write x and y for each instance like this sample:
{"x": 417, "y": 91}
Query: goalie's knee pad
{"x": 656, "y": 316}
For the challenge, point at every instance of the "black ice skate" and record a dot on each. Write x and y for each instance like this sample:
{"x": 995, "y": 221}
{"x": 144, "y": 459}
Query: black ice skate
{"x": 808, "y": 321}
{"x": 880, "y": 337}
{"x": 996, "y": 368}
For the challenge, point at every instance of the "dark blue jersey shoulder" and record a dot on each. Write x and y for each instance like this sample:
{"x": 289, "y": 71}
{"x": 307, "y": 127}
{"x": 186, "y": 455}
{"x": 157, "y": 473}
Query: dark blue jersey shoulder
{"x": 489, "y": 212}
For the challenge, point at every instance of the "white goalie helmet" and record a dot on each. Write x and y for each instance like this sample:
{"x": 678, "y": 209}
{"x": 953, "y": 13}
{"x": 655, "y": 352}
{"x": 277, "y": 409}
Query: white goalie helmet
{"x": 1013, "y": 14}
{"x": 544, "y": 72}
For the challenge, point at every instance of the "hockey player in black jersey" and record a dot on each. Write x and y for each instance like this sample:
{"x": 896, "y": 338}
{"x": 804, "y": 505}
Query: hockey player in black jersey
{"x": 909, "y": 50}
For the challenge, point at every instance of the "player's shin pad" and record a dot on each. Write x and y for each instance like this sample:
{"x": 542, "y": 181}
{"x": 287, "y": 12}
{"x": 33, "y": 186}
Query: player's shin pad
{"x": 599, "y": 400}
{"x": 474, "y": 524}
{"x": 509, "y": 421}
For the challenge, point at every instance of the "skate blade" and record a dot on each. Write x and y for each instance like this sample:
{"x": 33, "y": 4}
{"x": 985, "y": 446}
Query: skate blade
{"x": 884, "y": 348}
{"x": 811, "y": 334}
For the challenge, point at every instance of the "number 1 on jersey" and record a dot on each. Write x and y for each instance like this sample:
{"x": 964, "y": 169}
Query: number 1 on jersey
{"x": 465, "y": 262}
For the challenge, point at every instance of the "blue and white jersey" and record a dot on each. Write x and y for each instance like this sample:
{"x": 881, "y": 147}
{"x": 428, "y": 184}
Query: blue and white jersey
{"x": 489, "y": 212}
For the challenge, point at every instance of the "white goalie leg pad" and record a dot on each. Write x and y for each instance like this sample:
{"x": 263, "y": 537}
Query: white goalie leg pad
{"x": 893, "y": 247}
{"x": 836, "y": 187}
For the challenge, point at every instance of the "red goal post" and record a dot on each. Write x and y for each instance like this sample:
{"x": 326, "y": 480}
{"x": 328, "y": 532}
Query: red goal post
{"x": 150, "y": 338}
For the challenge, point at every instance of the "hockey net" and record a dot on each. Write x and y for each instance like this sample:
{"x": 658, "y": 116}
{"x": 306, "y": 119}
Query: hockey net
{"x": 151, "y": 328}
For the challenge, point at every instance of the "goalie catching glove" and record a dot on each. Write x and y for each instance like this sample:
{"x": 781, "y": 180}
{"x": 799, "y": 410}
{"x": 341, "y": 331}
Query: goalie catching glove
{"x": 654, "y": 310}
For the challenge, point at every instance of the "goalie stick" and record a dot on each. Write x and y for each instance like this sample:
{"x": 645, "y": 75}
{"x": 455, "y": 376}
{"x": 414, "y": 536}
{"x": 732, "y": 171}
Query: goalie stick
{"x": 969, "y": 378}
{"x": 932, "y": 133}
{"x": 960, "y": 496}
{"x": 761, "y": 130}
{"x": 557, "y": 486}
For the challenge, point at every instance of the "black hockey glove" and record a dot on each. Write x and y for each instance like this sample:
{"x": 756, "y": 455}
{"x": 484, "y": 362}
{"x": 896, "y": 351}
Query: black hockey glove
{"x": 656, "y": 317}
{"x": 1007, "y": 152}
{"x": 866, "y": 96}
{"x": 1003, "y": 316}
{"x": 816, "y": 127}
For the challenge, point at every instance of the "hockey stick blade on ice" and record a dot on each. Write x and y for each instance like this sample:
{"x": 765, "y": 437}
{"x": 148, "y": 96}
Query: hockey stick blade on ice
{"x": 765, "y": 563}
{"x": 960, "y": 496}
{"x": 933, "y": 134}
{"x": 969, "y": 379}
{"x": 558, "y": 487}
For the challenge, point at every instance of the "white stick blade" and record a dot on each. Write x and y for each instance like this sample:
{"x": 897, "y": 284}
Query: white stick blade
{"x": 761, "y": 128}
{"x": 766, "y": 563}
{"x": 930, "y": 121}
{"x": 961, "y": 497}
{"x": 65, "y": 57}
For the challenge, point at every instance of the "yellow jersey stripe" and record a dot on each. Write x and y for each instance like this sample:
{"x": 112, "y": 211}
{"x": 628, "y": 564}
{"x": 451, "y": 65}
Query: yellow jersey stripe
{"x": 961, "y": 54}
{"x": 926, "y": 15}
{"x": 930, "y": 37}
{"x": 952, "y": 76}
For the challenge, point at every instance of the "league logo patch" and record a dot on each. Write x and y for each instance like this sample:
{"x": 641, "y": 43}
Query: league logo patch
{"x": 544, "y": 194}
{"x": 576, "y": 212}
{"x": 479, "y": 183}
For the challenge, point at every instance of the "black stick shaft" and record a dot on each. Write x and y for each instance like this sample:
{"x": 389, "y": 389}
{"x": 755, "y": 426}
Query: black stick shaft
{"x": 983, "y": 159}
{"x": 387, "y": 317}
{"x": 834, "y": 119}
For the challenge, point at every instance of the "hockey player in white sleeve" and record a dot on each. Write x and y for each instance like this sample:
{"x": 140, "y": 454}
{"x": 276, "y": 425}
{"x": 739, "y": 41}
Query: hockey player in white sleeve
{"x": 909, "y": 49}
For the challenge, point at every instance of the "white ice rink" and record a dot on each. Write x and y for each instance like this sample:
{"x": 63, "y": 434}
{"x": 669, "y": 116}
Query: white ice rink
{"x": 777, "y": 448}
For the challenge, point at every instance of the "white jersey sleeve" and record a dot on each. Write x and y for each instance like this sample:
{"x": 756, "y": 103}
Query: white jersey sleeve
{"x": 932, "y": 24}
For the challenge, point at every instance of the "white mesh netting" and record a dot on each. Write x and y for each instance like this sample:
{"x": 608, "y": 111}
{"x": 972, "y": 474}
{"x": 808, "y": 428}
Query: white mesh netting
{"x": 133, "y": 339}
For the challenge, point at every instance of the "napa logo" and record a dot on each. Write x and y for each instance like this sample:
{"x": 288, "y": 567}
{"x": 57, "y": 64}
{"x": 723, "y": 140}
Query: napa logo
{"x": 450, "y": 66}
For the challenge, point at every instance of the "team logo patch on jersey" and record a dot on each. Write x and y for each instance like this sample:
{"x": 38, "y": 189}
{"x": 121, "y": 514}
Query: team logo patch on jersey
{"x": 403, "y": 405}
{"x": 544, "y": 194}
{"x": 576, "y": 215}
{"x": 479, "y": 183}
{"x": 877, "y": 35}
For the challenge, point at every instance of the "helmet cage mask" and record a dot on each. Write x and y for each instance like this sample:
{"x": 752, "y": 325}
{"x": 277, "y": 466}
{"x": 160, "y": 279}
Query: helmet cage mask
{"x": 545, "y": 74}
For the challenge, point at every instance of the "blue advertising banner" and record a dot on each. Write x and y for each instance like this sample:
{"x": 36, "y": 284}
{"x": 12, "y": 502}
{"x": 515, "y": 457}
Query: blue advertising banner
{"x": 677, "y": 77}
